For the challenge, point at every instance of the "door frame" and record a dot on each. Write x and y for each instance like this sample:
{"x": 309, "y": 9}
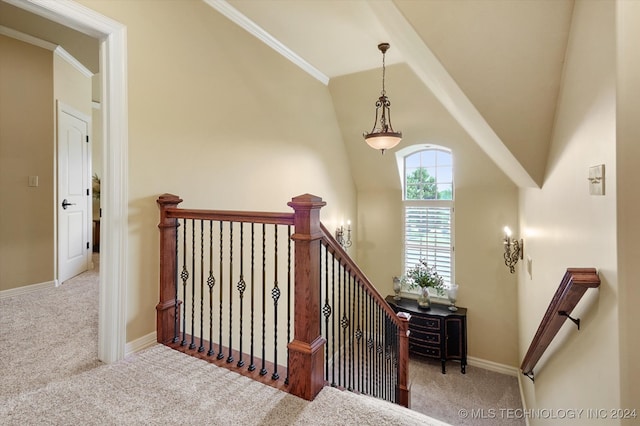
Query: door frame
{"x": 114, "y": 192}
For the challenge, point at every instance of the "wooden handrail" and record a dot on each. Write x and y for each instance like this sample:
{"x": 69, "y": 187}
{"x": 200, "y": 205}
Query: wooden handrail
{"x": 306, "y": 349}
{"x": 343, "y": 257}
{"x": 230, "y": 215}
{"x": 574, "y": 284}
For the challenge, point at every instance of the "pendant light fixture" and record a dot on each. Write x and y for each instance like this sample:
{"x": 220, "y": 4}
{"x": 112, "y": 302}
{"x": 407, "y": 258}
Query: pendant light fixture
{"x": 382, "y": 135}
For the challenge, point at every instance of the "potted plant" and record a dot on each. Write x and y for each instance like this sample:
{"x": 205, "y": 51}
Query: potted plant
{"x": 424, "y": 277}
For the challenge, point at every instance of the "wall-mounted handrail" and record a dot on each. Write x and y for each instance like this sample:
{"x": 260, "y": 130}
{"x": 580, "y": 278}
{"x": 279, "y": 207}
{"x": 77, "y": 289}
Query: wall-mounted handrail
{"x": 574, "y": 284}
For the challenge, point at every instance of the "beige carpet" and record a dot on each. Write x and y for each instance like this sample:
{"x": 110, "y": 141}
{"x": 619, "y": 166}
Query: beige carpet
{"x": 48, "y": 334}
{"x": 478, "y": 398}
{"x": 50, "y": 375}
{"x": 162, "y": 386}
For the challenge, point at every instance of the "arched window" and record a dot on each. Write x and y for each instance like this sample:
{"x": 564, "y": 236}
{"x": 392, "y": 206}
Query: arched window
{"x": 428, "y": 210}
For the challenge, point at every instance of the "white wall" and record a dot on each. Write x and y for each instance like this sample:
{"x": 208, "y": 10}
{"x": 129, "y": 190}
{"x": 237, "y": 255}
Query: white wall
{"x": 566, "y": 227}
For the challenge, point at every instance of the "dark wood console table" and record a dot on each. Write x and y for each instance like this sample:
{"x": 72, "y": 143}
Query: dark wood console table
{"x": 436, "y": 332}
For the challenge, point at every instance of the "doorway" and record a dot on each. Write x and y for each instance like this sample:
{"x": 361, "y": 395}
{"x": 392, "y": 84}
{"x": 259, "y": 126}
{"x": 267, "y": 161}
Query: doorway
{"x": 114, "y": 197}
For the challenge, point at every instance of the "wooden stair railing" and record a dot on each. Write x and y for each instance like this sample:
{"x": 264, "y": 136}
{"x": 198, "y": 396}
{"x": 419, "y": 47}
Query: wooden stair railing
{"x": 306, "y": 349}
{"x": 574, "y": 284}
{"x": 363, "y": 300}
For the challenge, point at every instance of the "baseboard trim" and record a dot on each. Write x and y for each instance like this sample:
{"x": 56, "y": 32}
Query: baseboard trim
{"x": 493, "y": 366}
{"x": 140, "y": 344}
{"x": 524, "y": 403}
{"x": 18, "y": 291}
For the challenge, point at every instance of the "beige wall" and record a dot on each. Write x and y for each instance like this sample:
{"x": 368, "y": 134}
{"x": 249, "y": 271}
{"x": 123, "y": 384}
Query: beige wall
{"x": 70, "y": 86}
{"x": 487, "y": 289}
{"x": 628, "y": 164}
{"x": 32, "y": 79}
{"x": 485, "y": 201}
{"x": 218, "y": 118}
{"x": 565, "y": 227}
{"x": 26, "y": 149}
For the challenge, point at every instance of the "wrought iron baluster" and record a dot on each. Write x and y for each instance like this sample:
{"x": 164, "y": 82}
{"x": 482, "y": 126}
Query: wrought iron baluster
{"x": 387, "y": 354}
{"x": 359, "y": 337}
{"x": 352, "y": 363}
{"x": 344, "y": 323}
{"x": 351, "y": 332}
{"x": 220, "y": 354}
{"x": 381, "y": 351}
{"x": 185, "y": 277}
{"x": 333, "y": 324}
{"x": 241, "y": 288}
{"x": 252, "y": 365}
{"x": 201, "y": 347}
{"x": 211, "y": 282}
{"x": 378, "y": 353}
{"x": 263, "y": 370}
{"x": 230, "y": 357}
{"x": 275, "y": 295}
{"x": 192, "y": 345}
{"x": 339, "y": 331}
{"x": 370, "y": 345}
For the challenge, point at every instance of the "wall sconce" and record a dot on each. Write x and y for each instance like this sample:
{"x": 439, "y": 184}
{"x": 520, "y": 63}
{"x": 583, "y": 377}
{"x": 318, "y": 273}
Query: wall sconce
{"x": 345, "y": 242}
{"x": 513, "y": 250}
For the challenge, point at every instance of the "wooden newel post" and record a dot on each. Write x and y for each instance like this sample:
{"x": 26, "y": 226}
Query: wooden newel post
{"x": 306, "y": 351}
{"x": 404, "y": 395}
{"x": 167, "y": 310}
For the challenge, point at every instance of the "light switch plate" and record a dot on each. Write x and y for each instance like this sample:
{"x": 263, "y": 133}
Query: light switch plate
{"x": 596, "y": 180}
{"x": 33, "y": 181}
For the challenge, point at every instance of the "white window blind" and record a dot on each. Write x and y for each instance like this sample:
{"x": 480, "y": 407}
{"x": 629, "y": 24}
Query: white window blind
{"x": 428, "y": 236}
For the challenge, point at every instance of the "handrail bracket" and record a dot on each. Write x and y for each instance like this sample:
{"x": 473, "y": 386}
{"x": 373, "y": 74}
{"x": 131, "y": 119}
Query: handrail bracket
{"x": 576, "y": 321}
{"x": 530, "y": 375}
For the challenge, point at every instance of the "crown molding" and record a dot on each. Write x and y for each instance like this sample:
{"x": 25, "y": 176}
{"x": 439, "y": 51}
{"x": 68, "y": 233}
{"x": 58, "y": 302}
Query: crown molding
{"x": 71, "y": 60}
{"x": 254, "y": 29}
{"x": 15, "y": 34}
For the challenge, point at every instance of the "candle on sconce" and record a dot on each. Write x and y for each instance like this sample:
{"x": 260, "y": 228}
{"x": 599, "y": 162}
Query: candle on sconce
{"x": 344, "y": 240}
{"x": 513, "y": 250}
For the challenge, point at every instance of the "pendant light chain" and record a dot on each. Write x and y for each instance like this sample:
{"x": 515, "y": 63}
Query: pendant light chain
{"x": 384, "y": 92}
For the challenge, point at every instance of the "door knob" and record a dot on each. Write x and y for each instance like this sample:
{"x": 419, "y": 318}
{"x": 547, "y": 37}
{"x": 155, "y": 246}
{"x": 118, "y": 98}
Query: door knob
{"x": 66, "y": 204}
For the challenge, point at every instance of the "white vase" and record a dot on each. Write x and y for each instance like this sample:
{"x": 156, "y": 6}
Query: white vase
{"x": 424, "y": 300}
{"x": 397, "y": 286}
{"x": 452, "y": 295}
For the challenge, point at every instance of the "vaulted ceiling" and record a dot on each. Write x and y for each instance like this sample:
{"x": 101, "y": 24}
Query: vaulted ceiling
{"x": 494, "y": 65}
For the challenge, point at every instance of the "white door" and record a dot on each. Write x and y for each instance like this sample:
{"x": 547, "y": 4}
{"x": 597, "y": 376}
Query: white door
{"x": 73, "y": 198}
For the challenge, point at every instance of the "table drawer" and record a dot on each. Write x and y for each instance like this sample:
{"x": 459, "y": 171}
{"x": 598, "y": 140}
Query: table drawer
{"x": 430, "y": 351}
{"x": 425, "y": 323}
{"x": 425, "y": 337}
